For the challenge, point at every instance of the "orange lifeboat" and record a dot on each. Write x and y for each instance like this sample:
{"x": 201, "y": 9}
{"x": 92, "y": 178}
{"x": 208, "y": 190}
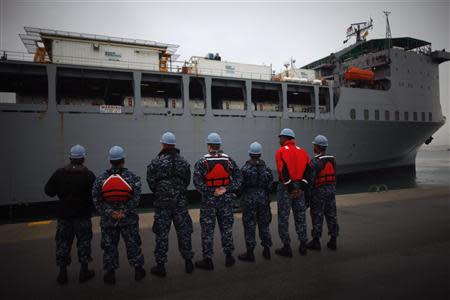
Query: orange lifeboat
{"x": 357, "y": 74}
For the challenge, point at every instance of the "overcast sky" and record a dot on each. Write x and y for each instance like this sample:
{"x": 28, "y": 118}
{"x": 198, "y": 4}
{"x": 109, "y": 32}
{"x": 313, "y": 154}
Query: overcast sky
{"x": 243, "y": 31}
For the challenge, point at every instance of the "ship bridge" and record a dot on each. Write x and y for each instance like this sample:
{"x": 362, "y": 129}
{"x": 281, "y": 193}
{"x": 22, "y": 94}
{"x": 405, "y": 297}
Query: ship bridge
{"x": 371, "y": 46}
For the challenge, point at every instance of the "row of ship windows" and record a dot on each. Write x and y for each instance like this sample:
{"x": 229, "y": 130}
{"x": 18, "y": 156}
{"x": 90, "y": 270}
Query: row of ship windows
{"x": 410, "y": 85}
{"x": 396, "y": 117}
{"x": 420, "y": 72}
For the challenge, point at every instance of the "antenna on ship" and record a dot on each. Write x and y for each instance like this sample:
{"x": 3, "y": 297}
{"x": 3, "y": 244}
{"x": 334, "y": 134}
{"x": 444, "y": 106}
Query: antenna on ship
{"x": 388, "y": 28}
{"x": 360, "y": 30}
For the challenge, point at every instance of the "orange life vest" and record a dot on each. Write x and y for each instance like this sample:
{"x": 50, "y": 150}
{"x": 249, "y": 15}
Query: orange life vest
{"x": 116, "y": 189}
{"x": 218, "y": 170}
{"x": 292, "y": 161}
{"x": 328, "y": 174}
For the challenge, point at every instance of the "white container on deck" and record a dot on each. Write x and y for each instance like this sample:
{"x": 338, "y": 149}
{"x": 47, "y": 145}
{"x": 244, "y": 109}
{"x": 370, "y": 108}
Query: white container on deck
{"x": 92, "y": 53}
{"x": 197, "y": 104}
{"x": 299, "y": 75}
{"x": 234, "y": 105}
{"x": 204, "y": 66}
{"x": 153, "y": 102}
{"x": 266, "y": 106}
{"x": 8, "y": 98}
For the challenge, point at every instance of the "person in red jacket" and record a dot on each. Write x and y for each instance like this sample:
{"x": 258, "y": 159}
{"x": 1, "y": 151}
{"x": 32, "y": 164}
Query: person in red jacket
{"x": 294, "y": 172}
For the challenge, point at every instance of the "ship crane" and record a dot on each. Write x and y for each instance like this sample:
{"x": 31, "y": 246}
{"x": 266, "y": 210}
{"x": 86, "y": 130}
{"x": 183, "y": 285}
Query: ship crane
{"x": 360, "y": 30}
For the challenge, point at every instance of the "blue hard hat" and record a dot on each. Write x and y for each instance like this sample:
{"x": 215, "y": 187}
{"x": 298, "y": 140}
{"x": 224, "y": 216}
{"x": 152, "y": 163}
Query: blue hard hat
{"x": 77, "y": 151}
{"x": 320, "y": 141}
{"x": 214, "y": 139}
{"x": 168, "y": 138}
{"x": 287, "y": 132}
{"x": 116, "y": 153}
{"x": 255, "y": 149}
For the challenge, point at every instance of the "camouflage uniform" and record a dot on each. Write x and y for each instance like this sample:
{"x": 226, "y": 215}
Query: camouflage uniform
{"x": 323, "y": 204}
{"x": 128, "y": 227}
{"x": 220, "y": 208}
{"x": 66, "y": 231}
{"x": 256, "y": 184}
{"x": 168, "y": 176}
{"x": 298, "y": 205}
{"x": 72, "y": 184}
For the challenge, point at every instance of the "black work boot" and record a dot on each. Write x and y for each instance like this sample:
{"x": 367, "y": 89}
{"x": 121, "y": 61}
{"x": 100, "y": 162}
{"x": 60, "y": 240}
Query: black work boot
{"x": 158, "y": 270}
{"x": 139, "y": 273}
{"x": 110, "y": 277}
{"x": 85, "y": 273}
{"x": 266, "y": 253}
{"x": 62, "y": 276}
{"x": 247, "y": 256}
{"x": 332, "y": 245}
{"x": 302, "y": 248}
{"x": 205, "y": 264}
{"x": 285, "y": 251}
{"x": 314, "y": 244}
{"x": 229, "y": 261}
{"x": 188, "y": 266}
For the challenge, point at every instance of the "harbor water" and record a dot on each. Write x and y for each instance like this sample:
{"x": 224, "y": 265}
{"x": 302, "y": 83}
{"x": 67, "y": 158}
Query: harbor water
{"x": 432, "y": 169}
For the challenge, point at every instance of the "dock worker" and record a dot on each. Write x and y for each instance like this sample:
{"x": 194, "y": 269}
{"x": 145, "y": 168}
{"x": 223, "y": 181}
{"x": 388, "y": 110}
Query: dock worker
{"x": 168, "y": 176}
{"x": 257, "y": 180}
{"x": 73, "y": 185}
{"x": 323, "y": 191}
{"x": 116, "y": 195}
{"x": 294, "y": 172}
{"x": 218, "y": 179}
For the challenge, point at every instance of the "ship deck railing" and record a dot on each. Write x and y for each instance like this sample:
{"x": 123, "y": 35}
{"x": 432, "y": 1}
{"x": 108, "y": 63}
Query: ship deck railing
{"x": 175, "y": 67}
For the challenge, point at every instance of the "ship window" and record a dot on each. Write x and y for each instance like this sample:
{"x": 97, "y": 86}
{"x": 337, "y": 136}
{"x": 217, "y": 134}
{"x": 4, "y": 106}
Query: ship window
{"x": 397, "y": 115}
{"x": 228, "y": 94}
{"x": 366, "y": 114}
{"x": 324, "y": 100}
{"x": 266, "y": 97}
{"x": 415, "y": 116}
{"x": 387, "y": 115}
{"x": 197, "y": 93}
{"x": 353, "y": 114}
{"x": 300, "y": 99}
{"x": 24, "y": 85}
{"x": 161, "y": 92}
{"x": 406, "y": 116}
{"x": 423, "y": 116}
{"x": 83, "y": 87}
{"x": 377, "y": 114}
{"x": 430, "y": 117}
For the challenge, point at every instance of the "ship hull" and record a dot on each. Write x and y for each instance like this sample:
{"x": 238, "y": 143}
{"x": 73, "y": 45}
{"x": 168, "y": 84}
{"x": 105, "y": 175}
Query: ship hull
{"x": 38, "y": 143}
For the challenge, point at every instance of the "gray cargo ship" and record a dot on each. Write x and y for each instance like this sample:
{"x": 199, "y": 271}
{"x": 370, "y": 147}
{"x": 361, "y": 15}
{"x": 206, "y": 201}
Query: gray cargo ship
{"x": 377, "y": 101}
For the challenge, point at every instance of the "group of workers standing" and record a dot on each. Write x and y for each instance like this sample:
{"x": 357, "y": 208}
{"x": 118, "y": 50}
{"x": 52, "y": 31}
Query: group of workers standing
{"x": 116, "y": 194}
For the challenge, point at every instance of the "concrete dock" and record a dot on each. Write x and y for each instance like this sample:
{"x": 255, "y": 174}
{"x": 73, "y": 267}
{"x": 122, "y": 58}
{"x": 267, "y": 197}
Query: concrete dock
{"x": 393, "y": 245}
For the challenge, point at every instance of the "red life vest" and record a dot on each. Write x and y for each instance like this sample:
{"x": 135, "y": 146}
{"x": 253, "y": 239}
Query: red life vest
{"x": 218, "y": 170}
{"x": 116, "y": 189}
{"x": 327, "y": 176}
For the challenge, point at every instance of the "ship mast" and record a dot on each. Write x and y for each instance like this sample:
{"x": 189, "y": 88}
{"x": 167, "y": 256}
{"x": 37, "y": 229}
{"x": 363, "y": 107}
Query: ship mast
{"x": 388, "y": 29}
{"x": 360, "y": 30}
